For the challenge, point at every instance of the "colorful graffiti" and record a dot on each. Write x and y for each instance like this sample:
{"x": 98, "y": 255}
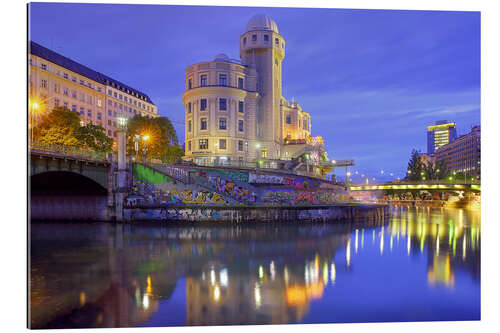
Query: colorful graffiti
{"x": 293, "y": 197}
{"x": 231, "y": 189}
{"x": 236, "y": 176}
{"x": 297, "y": 182}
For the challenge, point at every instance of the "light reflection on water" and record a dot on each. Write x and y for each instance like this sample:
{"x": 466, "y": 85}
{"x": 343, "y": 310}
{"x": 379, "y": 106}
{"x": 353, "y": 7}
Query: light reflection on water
{"x": 421, "y": 264}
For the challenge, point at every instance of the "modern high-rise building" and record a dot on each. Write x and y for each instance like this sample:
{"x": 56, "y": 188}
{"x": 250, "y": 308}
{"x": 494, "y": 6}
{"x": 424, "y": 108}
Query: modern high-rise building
{"x": 234, "y": 109}
{"x": 463, "y": 155}
{"x": 55, "y": 80}
{"x": 439, "y": 134}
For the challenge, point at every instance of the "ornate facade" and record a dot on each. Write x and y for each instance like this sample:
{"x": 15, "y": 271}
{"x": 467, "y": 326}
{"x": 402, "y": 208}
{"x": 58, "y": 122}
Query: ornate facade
{"x": 234, "y": 109}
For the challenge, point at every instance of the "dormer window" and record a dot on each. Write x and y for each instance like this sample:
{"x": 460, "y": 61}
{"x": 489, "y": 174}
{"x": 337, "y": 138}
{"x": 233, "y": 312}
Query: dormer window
{"x": 266, "y": 38}
{"x": 254, "y": 38}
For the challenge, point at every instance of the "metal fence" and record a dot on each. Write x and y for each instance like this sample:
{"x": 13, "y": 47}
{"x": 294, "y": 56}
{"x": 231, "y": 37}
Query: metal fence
{"x": 67, "y": 150}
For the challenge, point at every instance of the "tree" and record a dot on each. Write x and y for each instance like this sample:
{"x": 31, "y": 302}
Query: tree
{"x": 58, "y": 127}
{"x": 94, "y": 137}
{"x": 436, "y": 171}
{"x": 415, "y": 166}
{"x": 162, "y": 140}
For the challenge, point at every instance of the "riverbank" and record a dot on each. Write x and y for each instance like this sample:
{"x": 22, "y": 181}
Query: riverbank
{"x": 256, "y": 213}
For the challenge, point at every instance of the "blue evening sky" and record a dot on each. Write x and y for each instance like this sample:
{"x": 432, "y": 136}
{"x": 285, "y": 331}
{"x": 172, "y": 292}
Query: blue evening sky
{"x": 372, "y": 80}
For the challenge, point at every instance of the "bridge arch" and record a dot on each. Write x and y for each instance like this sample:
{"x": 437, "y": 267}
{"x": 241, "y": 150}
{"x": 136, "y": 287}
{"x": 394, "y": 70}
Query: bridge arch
{"x": 67, "y": 195}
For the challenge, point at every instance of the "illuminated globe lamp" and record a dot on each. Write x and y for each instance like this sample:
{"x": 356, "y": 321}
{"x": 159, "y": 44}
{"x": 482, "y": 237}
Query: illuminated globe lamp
{"x": 122, "y": 122}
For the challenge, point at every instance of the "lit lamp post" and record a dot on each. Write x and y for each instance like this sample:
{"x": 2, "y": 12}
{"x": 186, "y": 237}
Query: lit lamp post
{"x": 136, "y": 146}
{"x": 145, "y": 138}
{"x": 121, "y": 188}
{"x": 34, "y": 107}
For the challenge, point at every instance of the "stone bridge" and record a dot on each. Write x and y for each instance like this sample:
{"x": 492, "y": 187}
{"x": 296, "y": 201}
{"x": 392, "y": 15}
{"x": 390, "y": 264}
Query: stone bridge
{"x": 68, "y": 183}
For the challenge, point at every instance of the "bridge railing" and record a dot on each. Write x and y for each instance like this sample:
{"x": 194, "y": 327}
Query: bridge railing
{"x": 67, "y": 150}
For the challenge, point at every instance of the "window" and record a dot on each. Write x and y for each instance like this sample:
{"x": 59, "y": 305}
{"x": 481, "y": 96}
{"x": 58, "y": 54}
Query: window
{"x": 44, "y": 83}
{"x": 240, "y": 125}
{"x": 82, "y": 111}
{"x": 120, "y": 106}
{"x": 65, "y": 75}
{"x": 222, "y": 79}
{"x": 65, "y": 105}
{"x": 244, "y": 40}
{"x": 109, "y": 92}
{"x": 190, "y": 84}
{"x": 82, "y": 83}
{"x": 203, "y": 123}
{"x": 56, "y": 88}
{"x": 222, "y": 104}
{"x": 56, "y": 102}
{"x": 66, "y": 91}
{"x": 125, "y": 98}
{"x": 73, "y": 108}
{"x": 110, "y": 103}
{"x": 109, "y": 122}
{"x": 203, "y": 104}
{"x": 203, "y": 143}
{"x": 189, "y": 145}
{"x": 222, "y": 144}
{"x": 99, "y": 116}
{"x": 89, "y": 99}
{"x": 189, "y": 125}
{"x": 189, "y": 107}
{"x": 114, "y": 134}
{"x": 115, "y": 94}
{"x": 264, "y": 152}
{"x": 241, "y": 106}
{"x": 120, "y": 96}
{"x": 277, "y": 41}
{"x": 89, "y": 113}
{"x": 82, "y": 97}
{"x": 44, "y": 67}
{"x": 73, "y": 79}
{"x": 203, "y": 80}
{"x": 266, "y": 38}
{"x": 288, "y": 119}
{"x": 254, "y": 38}
{"x": 240, "y": 83}
{"x": 240, "y": 145}
{"x": 109, "y": 132}
{"x": 222, "y": 123}
{"x": 73, "y": 94}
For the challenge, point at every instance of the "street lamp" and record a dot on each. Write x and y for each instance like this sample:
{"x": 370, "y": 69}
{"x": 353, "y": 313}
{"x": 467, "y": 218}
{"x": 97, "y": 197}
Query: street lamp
{"x": 136, "y": 146}
{"x": 34, "y": 106}
{"x": 145, "y": 138}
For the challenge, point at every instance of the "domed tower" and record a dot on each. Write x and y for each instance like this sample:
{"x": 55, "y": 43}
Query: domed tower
{"x": 263, "y": 48}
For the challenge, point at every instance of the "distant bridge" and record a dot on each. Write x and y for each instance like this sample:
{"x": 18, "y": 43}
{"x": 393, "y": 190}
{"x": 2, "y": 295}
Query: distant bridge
{"x": 427, "y": 185}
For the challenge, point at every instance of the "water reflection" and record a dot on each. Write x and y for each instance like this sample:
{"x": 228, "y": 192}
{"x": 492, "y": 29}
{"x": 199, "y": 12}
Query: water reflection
{"x": 105, "y": 275}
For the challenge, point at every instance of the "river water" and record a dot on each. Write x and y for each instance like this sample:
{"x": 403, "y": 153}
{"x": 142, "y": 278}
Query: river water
{"x": 421, "y": 264}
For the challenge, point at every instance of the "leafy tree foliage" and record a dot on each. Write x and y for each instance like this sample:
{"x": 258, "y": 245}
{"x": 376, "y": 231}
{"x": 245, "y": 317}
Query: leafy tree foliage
{"x": 93, "y": 137}
{"x": 62, "y": 127}
{"x": 58, "y": 127}
{"x": 162, "y": 140}
{"x": 436, "y": 171}
{"x": 415, "y": 166}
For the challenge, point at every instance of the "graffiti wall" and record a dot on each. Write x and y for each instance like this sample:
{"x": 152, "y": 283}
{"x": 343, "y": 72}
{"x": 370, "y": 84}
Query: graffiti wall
{"x": 293, "y": 197}
{"x": 224, "y": 186}
{"x": 296, "y": 182}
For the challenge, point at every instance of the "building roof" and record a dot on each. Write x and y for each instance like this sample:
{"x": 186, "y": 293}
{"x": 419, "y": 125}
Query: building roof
{"x": 262, "y": 22}
{"x": 58, "y": 59}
